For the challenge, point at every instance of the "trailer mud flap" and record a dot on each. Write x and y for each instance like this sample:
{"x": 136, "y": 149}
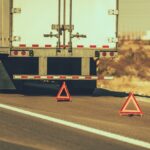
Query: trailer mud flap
{"x": 5, "y": 81}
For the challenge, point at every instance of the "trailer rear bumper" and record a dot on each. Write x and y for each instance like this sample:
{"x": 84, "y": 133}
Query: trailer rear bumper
{"x": 60, "y": 77}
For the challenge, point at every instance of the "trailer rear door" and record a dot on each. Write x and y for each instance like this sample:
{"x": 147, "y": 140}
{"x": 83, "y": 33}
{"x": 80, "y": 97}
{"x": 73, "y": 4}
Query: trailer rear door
{"x": 89, "y": 17}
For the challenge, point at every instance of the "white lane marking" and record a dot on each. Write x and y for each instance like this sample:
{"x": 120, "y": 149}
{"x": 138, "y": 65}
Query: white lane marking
{"x": 80, "y": 127}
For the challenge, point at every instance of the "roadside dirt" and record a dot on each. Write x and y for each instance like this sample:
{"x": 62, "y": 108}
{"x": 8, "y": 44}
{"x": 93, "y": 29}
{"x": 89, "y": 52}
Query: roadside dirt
{"x": 131, "y": 69}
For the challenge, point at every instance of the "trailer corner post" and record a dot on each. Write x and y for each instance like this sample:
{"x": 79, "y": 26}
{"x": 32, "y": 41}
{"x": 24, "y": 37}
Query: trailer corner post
{"x": 5, "y": 23}
{"x": 85, "y": 66}
{"x": 42, "y": 65}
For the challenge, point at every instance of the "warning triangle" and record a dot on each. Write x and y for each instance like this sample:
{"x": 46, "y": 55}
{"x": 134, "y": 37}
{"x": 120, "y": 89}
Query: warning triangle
{"x": 59, "y": 95}
{"x": 125, "y": 111}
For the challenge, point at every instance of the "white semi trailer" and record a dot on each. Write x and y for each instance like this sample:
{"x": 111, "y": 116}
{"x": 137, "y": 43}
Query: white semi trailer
{"x": 50, "y": 41}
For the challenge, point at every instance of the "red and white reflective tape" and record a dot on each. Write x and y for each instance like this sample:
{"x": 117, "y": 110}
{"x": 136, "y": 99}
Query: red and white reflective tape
{"x": 105, "y": 46}
{"x": 22, "y": 45}
{"x": 48, "y": 46}
{"x": 80, "y": 46}
{"x": 58, "y": 77}
{"x": 93, "y": 46}
{"x": 35, "y": 45}
{"x": 61, "y": 46}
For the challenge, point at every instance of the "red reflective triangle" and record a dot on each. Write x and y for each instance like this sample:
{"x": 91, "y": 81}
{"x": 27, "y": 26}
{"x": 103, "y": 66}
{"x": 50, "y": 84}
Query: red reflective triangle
{"x": 125, "y": 111}
{"x": 63, "y": 98}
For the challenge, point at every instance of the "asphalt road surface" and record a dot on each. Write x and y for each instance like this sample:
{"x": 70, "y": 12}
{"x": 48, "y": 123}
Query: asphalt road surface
{"x": 21, "y": 132}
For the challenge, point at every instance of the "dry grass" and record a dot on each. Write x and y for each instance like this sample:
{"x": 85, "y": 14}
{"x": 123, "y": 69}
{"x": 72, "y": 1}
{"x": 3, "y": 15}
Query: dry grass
{"x": 131, "y": 68}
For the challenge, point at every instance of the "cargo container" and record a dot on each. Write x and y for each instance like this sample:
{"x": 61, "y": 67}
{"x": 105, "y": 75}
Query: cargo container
{"x": 46, "y": 42}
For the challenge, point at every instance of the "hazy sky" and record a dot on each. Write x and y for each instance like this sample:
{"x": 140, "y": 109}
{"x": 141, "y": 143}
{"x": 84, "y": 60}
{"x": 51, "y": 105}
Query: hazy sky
{"x": 134, "y": 15}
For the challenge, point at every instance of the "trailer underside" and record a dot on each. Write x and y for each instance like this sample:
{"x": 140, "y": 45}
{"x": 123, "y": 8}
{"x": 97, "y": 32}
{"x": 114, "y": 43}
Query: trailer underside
{"x": 36, "y": 58}
{"x": 56, "y": 66}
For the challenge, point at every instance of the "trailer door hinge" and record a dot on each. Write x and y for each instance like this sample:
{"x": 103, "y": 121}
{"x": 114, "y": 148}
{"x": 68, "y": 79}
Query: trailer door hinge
{"x": 113, "y": 40}
{"x": 1, "y": 38}
{"x": 16, "y": 38}
{"x": 16, "y": 10}
{"x": 4, "y": 38}
{"x": 113, "y": 12}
